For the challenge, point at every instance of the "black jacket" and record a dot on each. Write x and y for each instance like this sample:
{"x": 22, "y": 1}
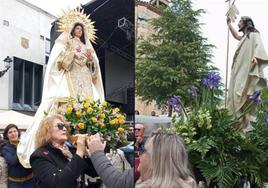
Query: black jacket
{"x": 53, "y": 170}
{"x": 110, "y": 176}
{"x": 15, "y": 169}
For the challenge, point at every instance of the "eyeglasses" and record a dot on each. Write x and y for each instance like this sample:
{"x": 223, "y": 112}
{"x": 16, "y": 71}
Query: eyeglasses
{"x": 61, "y": 126}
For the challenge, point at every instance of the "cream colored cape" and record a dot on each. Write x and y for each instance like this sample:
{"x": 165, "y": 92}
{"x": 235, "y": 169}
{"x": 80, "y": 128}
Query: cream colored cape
{"x": 55, "y": 86}
{"x": 246, "y": 78}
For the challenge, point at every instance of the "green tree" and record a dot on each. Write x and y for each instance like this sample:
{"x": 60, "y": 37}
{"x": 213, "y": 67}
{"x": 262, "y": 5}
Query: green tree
{"x": 175, "y": 57}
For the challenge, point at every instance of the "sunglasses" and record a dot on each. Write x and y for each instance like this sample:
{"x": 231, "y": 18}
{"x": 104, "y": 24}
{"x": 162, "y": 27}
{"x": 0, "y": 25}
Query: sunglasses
{"x": 61, "y": 126}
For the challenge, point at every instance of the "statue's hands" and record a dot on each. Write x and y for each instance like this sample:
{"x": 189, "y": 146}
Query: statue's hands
{"x": 254, "y": 61}
{"x": 88, "y": 54}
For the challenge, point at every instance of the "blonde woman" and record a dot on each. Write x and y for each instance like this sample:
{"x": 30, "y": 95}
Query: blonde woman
{"x": 164, "y": 163}
{"x": 54, "y": 164}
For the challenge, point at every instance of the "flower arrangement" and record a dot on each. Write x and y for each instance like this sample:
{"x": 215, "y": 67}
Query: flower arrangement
{"x": 90, "y": 117}
{"x": 222, "y": 154}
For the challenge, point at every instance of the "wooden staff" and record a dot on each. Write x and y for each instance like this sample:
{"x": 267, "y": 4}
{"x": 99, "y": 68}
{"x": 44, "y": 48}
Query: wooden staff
{"x": 227, "y": 57}
{"x": 227, "y": 62}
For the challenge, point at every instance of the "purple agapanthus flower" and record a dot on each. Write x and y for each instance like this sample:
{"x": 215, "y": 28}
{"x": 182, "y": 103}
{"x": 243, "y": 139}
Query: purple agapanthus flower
{"x": 212, "y": 81}
{"x": 192, "y": 91}
{"x": 175, "y": 102}
{"x": 266, "y": 120}
{"x": 255, "y": 97}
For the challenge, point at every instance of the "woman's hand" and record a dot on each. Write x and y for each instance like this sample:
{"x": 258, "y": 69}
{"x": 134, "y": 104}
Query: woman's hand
{"x": 94, "y": 143}
{"x": 81, "y": 145}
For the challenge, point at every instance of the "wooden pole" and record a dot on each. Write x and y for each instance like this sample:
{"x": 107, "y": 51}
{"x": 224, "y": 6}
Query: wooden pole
{"x": 227, "y": 62}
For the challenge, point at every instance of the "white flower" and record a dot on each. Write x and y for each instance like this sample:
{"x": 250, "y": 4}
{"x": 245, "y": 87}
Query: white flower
{"x": 78, "y": 106}
{"x": 184, "y": 134}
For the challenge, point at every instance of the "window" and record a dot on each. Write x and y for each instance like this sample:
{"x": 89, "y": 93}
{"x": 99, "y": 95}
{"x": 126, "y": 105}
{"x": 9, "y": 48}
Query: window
{"x": 47, "y": 58}
{"x": 47, "y": 46}
{"x": 27, "y": 85}
{"x": 6, "y": 23}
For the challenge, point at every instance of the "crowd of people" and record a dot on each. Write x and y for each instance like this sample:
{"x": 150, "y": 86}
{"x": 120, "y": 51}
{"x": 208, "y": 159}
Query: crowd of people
{"x": 56, "y": 162}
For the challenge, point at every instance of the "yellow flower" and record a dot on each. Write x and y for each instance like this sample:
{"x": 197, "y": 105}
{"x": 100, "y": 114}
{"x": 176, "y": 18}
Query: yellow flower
{"x": 119, "y": 116}
{"x": 102, "y": 116}
{"x": 89, "y": 110}
{"x": 81, "y": 125}
{"x": 101, "y": 125}
{"x": 86, "y": 105}
{"x": 69, "y": 110}
{"x": 112, "y": 122}
{"x": 116, "y": 109}
{"x": 94, "y": 120}
{"x": 86, "y": 99}
{"x": 104, "y": 104}
{"x": 92, "y": 102}
{"x": 78, "y": 113}
{"x": 74, "y": 101}
{"x": 121, "y": 130}
{"x": 122, "y": 121}
{"x": 116, "y": 121}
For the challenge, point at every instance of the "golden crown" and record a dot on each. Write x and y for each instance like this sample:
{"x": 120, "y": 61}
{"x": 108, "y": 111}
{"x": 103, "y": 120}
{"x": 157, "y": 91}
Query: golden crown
{"x": 67, "y": 20}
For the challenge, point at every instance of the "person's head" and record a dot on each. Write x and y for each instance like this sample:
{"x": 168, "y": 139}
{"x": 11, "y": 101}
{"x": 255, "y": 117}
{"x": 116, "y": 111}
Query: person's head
{"x": 52, "y": 129}
{"x": 11, "y": 133}
{"x": 78, "y": 31}
{"x": 1, "y": 142}
{"x": 246, "y": 25}
{"x": 164, "y": 160}
{"x": 137, "y": 112}
{"x": 139, "y": 130}
{"x": 153, "y": 113}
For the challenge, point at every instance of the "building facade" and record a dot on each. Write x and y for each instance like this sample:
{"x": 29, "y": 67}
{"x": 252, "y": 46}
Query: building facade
{"x": 144, "y": 13}
{"x": 25, "y": 37}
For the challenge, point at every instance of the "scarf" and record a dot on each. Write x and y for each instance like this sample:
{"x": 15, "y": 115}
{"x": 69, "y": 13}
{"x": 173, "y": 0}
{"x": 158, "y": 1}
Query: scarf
{"x": 64, "y": 149}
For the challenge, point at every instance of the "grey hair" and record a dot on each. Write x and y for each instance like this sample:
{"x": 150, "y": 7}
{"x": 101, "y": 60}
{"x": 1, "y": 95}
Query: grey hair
{"x": 169, "y": 161}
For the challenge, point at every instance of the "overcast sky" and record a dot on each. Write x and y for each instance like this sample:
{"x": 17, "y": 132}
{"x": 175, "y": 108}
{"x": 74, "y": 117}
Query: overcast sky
{"x": 215, "y": 28}
{"x": 55, "y": 7}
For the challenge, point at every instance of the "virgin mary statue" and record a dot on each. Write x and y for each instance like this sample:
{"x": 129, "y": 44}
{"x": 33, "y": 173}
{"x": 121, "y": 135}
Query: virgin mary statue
{"x": 72, "y": 70}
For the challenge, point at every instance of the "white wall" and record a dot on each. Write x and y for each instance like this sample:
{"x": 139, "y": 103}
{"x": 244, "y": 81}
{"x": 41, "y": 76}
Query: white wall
{"x": 25, "y": 21}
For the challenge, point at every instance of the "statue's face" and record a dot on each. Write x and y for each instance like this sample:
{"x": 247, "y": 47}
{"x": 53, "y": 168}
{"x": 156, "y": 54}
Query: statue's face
{"x": 241, "y": 25}
{"x": 78, "y": 31}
